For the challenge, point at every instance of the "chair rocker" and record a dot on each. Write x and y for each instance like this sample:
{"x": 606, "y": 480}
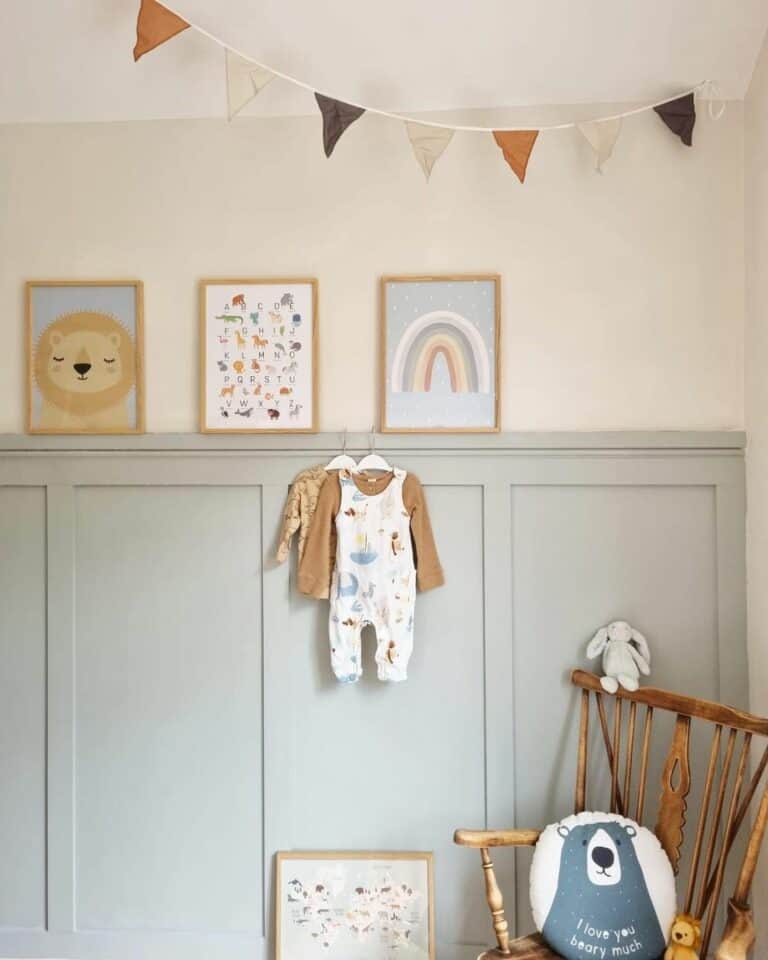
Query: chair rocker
{"x": 729, "y": 786}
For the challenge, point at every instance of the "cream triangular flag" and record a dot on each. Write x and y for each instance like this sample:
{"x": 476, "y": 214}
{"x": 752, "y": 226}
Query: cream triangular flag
{"x": 428, "y": 143}
{"x": 244, "y": 80}
{"x": 601, "y": 135}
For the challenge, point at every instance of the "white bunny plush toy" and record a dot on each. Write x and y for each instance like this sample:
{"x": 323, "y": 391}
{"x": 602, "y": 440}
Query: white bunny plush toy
{"x": 625, "y": 655}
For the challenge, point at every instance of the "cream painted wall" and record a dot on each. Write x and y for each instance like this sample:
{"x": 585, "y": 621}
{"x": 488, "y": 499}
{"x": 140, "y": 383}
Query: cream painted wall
{"x": 756, "y": 221}
{"x": 622, "y": 293}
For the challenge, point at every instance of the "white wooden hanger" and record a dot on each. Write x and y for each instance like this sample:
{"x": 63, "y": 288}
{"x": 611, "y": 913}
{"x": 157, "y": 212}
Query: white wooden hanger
{"x": 342, "y": 461}
{"x": 373, "y": 460}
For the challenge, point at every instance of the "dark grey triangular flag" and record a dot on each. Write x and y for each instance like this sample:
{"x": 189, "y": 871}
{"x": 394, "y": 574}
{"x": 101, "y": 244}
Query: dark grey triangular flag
{"x": 337, "y": 116}
{"x": 680, "y": 116}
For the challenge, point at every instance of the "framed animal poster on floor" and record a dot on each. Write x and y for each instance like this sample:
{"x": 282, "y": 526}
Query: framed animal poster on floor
{"x": 85, "y": 356}
{"x": 440, "y": 354}
{"x": 258, "y": 356}
{"x": 344, "y": 906}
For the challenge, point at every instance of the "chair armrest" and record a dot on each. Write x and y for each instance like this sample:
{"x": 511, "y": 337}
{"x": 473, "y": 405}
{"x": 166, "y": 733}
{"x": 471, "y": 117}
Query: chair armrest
{"x": 496, "y": 838}
{"x": 483, "y": 839}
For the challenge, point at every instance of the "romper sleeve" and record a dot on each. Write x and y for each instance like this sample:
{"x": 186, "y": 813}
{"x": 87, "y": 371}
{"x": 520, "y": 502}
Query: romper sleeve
{"x": 315, "y": 567}
{"x": 291, "y": 522}
{"x": 429, "y": 572}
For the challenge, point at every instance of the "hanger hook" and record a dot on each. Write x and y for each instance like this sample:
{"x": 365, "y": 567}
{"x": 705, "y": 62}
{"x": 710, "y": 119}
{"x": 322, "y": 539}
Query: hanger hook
{"x": 344, "y": 441}
{"x": 372, "y": 440}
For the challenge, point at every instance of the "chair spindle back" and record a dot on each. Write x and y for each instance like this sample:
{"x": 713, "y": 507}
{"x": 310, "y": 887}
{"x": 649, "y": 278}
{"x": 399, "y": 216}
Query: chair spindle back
{"x": 725, "y": 795}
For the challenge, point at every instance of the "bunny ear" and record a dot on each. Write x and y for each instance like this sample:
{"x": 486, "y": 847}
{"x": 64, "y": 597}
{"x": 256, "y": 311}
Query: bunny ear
{"x": 642, "y": 645}
{"x": 597, "y": 643}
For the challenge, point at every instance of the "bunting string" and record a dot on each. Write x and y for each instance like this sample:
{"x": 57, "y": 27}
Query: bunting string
{"x": 455, "y": 127}
{"x": 246, "y": 77}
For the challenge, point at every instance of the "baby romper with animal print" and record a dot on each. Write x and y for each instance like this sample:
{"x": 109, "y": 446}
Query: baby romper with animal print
{"x": 385, "y": 550}
{"x": 374, "y": 580}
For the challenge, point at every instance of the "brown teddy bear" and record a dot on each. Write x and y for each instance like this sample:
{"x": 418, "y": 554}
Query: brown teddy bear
{"x": 684, "y": 938}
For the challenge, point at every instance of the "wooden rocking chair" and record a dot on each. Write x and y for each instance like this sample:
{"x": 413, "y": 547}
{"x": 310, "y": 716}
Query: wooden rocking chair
{"x": 725, "y": 806}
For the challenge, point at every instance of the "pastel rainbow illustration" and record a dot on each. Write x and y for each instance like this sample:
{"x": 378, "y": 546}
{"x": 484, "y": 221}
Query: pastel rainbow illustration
{"x": 446, "y": 334}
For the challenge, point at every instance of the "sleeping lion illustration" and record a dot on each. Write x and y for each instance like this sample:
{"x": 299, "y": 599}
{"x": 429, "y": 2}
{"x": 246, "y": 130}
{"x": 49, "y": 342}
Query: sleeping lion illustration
{"x": 84, "y": 366}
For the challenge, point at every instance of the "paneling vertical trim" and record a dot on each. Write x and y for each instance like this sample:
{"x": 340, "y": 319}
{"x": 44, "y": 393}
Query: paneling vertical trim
{"x": 730, "y": 508}
{"x": 60, "y": 745}
{"x": 499, "y": 674}
{"x": 273, "y": 618}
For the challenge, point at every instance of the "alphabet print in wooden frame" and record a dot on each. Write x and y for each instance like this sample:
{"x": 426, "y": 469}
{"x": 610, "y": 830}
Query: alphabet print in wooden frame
{"x": 258, "y": 356}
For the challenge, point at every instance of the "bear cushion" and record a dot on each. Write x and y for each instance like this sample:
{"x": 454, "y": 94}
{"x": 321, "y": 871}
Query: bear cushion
{"x": 602, "y": 887}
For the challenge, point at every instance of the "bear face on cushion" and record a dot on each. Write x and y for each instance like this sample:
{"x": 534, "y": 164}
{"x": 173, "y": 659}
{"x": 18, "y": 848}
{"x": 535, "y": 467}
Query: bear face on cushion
{"x": 598, "y": 903}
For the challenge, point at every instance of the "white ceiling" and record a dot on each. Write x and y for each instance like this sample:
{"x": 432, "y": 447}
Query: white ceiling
{"x": 70, "y": 60}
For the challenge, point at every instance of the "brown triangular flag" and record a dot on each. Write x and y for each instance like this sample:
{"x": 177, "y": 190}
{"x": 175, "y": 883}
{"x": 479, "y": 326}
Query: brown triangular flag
{"x": 155, "y": 25}
{"x": 337, "y": 116}
{"x": 516, "y": 145}
{"x": 680, "y": 116}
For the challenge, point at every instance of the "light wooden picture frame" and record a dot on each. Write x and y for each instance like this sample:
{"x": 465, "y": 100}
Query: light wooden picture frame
{"x": 85, "y": 356}
{"x": 342, "y": 905}
{"x": 440, "y": 354}
{"x": 258, "y": 355}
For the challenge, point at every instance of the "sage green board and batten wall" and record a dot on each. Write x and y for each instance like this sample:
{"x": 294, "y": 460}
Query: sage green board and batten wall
{"x": 178, "y": 722}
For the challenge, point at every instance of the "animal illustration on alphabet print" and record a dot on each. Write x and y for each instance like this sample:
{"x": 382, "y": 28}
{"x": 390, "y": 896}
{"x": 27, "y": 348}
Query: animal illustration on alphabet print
{"x": 602, "y": 906}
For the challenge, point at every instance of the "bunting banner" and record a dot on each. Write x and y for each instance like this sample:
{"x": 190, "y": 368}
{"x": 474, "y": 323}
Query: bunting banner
{"x": 337, "y": 116}
{"x": 244, "y": 81}
{"x": 154, "y": 25}
{"x": 680, "y": 116}
{"x": 516, "y": 145}
{"x": 246, "y": 78}
{"x": 428, "y": 143}
{"x": 601, "y": 135}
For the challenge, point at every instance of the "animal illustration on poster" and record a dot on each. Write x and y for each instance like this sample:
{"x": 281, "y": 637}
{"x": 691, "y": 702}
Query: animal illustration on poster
{"x": 85, "y": 356}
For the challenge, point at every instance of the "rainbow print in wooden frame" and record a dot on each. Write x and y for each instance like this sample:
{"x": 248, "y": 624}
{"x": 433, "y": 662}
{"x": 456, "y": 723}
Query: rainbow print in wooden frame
{"x": 440, "y": 366}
